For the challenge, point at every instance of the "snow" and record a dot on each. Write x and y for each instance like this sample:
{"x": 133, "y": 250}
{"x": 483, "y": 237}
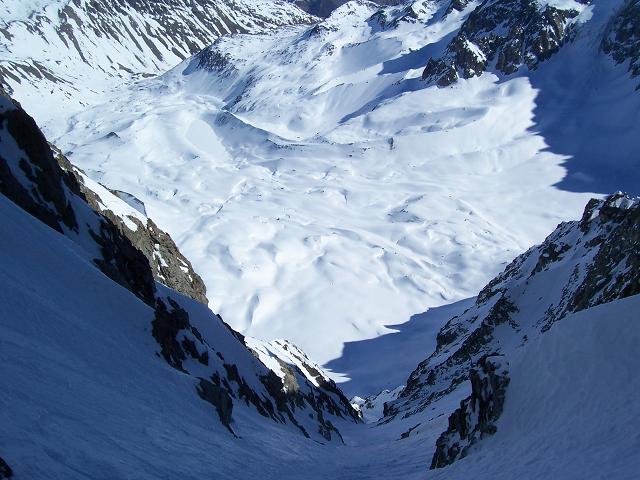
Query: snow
{"x": 109, "y": 201}
{"x": 323, "y": 193}
{"x": 107, "y": 406}
{"x": 13, "y": 10}
{"x": 372, "y": 408}
{"x": 326, "y": 196}
{"x": 569, "y": 404}
{"x": 80, "y": 53}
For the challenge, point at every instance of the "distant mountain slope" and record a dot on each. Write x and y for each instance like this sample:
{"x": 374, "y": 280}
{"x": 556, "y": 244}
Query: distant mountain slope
{"x": 324, "y": 8}
{"x": 77, "y": 49}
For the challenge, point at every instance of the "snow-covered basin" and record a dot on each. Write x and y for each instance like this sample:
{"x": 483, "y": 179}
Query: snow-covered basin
{"x": 324, "y": 197}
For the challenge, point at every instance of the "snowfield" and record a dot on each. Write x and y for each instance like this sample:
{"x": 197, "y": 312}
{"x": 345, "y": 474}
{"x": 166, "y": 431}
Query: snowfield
{"x": 324, "y": 192}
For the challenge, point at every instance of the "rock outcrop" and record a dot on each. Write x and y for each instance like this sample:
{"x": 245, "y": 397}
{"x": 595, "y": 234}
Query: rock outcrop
{"x": 414, "y": 12}
{"x": 5, "y": 469}
{"x": 169, "y": 266}
{"x": 505, "y": 35}
{"x": 622, "y": 41}
{"x": 477, "y": 415}
{"x": 323, "y": 8}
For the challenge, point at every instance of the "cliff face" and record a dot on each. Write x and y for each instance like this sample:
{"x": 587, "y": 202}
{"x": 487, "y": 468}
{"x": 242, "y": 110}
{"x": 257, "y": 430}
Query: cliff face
{"x": 504, "y": 35}
{"x": 477, "y": 414}
{"x": 622, "y": 41}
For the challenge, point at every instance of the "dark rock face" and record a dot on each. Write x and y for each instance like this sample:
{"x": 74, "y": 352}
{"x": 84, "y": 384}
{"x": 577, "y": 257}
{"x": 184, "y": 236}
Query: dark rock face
{"x": 323, "y": 8}
{"x": 123, "y": 262}
{"x": 5, "y": 469}
{"x": 458, "y": 5}
{"x": 580, "y": 265}
{"x": 477, "y": 414}
{"x": 168, "y": 265}
{"x": 217, "y": 397}
{"x": 388, "y": 19}
{"x": 622, "y": 41}
{"x": 319, "y": 8}
{"x": 31, "y": 177}
{"x": 511, "y": 33}
{"x": 41, "y": 191}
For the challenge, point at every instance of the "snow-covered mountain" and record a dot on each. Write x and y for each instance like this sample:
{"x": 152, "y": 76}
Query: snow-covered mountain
{"x": 329, "y": 179}
{"x": 75, "y": 50}
{"x": 324, "y": 8}
{"x": 325, "y": 191}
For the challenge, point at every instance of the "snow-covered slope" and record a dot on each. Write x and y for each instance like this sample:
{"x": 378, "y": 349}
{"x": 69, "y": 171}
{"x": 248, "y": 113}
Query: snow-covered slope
{"x": 84, "y": 323}
{"x": 75, "y": 50}
{"x": 581, "y": 265}
{"x": 327, "y": 186}
{"x": 570, "y": 410}
{"x": 325, "y": 191}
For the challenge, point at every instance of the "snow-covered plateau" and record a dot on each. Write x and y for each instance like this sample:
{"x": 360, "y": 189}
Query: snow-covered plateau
{"x": 384, "y": 205}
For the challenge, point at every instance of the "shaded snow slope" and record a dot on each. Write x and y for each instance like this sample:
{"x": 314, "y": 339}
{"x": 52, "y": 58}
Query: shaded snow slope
{"x": 580, "y": 265}
{"x": 75, "y": 274}
{"x": 88, "y": 395}
{"x": 570, "y": 407}
{"x": 324, "y": 191}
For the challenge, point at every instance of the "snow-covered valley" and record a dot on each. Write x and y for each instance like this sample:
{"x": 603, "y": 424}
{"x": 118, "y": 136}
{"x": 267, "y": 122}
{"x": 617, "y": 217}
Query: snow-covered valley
{"x": 324, "y": 196}
{"x": 331, "y": 191}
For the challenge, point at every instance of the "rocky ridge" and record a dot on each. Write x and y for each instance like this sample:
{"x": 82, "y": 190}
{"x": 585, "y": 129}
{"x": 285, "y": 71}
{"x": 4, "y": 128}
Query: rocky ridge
{"x": 622, "y": 41}
{"x": 580, "y": 265}
{"x": 323, "y": 8}
{"x": 477, "y": 414}
{"x": 169, "y": 266}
